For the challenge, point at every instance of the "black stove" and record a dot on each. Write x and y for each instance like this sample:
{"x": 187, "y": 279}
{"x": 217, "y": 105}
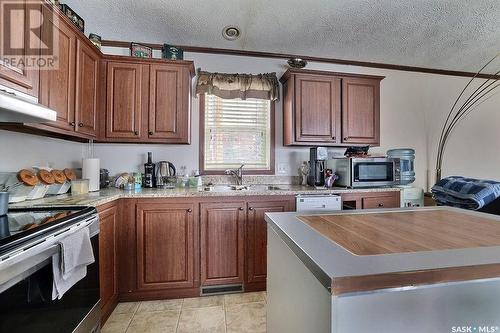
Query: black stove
{"x": 29, "y": 239}
{"x": 22, "y": 225}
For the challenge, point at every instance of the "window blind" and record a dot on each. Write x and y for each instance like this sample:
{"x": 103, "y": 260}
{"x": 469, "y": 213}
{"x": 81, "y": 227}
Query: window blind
{"x": 237, "y": 132}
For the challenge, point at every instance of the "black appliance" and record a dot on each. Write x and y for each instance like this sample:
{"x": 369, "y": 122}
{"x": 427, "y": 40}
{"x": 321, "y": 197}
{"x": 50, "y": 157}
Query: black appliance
{"x": 28, "y": 240}
{"x": 317, "y": 162}
{"x": 149, "y": 172}
{"x": 104, "y": 180}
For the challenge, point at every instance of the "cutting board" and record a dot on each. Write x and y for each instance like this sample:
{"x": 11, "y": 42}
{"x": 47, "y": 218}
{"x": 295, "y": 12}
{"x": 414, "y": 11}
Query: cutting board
{"x": 365, "y": 234}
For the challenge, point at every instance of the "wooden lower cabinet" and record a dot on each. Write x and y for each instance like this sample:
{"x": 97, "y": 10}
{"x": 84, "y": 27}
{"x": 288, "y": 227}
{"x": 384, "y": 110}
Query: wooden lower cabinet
{"x": 107, "y": 259}
{"x": 222, "y": 243}
{"x": 256, "y": 250}
{"x": 371, "y": 200}
{"x": 167, "y": 246}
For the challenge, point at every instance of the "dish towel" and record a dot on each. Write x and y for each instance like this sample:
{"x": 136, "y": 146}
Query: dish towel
{"x": 69, "y": 265}
{"x": 468, "y": 193}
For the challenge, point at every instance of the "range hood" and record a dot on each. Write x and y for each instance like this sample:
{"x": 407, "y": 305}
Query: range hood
{"x": 16, "y": 107}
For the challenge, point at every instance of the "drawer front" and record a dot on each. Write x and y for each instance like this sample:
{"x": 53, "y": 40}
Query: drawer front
{"x": 387, "y": 201}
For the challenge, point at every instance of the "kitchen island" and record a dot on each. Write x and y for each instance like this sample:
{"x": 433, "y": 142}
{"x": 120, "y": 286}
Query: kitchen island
{"x": 417, "y": 270}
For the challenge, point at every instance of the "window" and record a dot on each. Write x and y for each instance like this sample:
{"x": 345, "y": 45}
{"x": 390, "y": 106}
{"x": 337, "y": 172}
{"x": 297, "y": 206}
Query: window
{"x": 236, "y": 132}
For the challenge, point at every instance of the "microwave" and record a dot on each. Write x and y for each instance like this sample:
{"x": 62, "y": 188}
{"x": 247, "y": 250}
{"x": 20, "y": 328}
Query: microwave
{"x": 357, "y": 172}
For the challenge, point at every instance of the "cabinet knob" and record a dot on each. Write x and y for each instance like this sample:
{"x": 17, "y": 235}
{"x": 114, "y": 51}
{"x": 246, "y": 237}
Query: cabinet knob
{"x": 334, "y": 138}
{"x": 241, "y": 208}
{"x": 189, "y": 210}
{"x": 250, "y": 208}
{"x": 346, "y": 138}
{"x": 80, "y": 124}
{"x": 151, "y": 133}
{"x": 136, "y": 132}
{"x": 72, "y": 123}
{"x": 381, "y": 205}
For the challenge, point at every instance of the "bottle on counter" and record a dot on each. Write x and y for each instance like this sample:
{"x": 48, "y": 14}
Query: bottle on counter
{"x": 149, "y": 172}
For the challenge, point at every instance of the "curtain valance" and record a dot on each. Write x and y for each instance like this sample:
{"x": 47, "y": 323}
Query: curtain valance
{"x": 230, "y": 86}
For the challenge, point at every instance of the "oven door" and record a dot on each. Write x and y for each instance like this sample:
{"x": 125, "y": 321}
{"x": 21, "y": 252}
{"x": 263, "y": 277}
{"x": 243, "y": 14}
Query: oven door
{"x": 27, "y": 305}
{"x": 373, "y": 173}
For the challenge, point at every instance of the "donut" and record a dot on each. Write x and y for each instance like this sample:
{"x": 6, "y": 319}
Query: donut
{"x": 27, "y": 177}
{"x": 46, "y": 177}
{"x": 59, "y": 176}
{"x": 48, "y": 219}
{"x": 70, "y": 174}
{"x": 29, "y": 226}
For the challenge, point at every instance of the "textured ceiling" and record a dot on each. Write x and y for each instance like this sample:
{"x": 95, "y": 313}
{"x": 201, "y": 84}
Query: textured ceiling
{"x": 445, "y": 34}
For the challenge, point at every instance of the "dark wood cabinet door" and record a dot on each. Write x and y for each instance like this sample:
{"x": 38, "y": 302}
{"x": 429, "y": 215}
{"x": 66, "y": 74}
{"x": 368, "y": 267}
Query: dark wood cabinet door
{"x": 383, "y": 200}
{"x": 169, "y": 103}
{"x": 256, "y": 251}
{"x": 24, "y": 42}
{"x": 57, "y": 87}
{"x": 360, "y": 111}
{"x": 87, "y": 81}
{"x": 222, "y": 243}
{"x": 167, "y": 250}
{"x": 317, "y": 109}
{"x": 107, "y": 259}
{"x": 124, "y": 100}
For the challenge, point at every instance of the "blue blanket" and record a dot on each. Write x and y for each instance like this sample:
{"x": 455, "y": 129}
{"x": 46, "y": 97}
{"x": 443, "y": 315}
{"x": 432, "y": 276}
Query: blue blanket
{"x": 465, "y": 193}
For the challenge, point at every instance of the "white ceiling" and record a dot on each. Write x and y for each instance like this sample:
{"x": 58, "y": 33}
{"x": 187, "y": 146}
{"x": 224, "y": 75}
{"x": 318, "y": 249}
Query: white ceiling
{"x": 444, "y": 34}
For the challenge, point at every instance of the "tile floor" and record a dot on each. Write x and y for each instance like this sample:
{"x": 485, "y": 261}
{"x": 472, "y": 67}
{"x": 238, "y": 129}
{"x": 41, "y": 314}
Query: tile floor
{"x": 235, "y": 313}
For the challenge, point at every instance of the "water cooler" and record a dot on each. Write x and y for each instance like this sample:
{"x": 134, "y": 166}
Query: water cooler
{"x": 410, "y": 196}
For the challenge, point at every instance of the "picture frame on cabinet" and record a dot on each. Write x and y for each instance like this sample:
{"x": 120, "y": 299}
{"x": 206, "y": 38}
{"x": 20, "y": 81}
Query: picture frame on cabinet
{"x": 140, "y": 51}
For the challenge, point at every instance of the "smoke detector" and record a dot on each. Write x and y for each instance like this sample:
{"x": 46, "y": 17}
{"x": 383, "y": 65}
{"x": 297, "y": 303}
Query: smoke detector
{"x": 231, "y": 32}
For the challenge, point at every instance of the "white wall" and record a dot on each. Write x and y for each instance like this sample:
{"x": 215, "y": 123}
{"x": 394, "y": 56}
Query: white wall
{"x": 18, "y": 150}
{"x": 413, "y": 107}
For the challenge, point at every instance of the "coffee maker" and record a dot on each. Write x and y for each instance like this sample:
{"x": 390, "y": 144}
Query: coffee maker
{"x": 317, "y": 163}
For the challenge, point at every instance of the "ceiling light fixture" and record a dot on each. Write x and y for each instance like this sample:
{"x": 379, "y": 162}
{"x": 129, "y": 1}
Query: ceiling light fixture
{"x": 231, "y": 32}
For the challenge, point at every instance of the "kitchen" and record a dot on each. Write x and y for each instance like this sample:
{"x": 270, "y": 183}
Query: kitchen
{"x": 159, "y": 246}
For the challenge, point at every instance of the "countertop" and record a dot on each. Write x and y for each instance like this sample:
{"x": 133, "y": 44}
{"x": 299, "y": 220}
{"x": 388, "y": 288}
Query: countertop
{"x": 108, "y": 195}
{"x": 343, "y": 271}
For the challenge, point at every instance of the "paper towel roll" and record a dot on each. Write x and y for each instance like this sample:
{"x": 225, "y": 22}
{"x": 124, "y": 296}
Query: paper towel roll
{"x": 90, "y": 171}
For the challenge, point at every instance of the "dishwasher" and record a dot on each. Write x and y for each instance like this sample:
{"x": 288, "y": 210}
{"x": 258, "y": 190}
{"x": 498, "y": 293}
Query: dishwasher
{"x": 318, "y": 203}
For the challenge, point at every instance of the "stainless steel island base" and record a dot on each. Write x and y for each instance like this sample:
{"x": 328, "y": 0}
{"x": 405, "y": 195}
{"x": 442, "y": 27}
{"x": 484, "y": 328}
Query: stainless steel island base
{"x": 299, "y": 302}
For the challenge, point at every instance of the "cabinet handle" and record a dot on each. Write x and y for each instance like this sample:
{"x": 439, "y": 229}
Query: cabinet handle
{"x": 72, "y": 123}
{"x": 381, "y": 205}
{"x": 241, "y": 208}
{"x": 250, "y": 208}
{"x": 80, "y": 124}
{"x": 136, "y": 132}
{"x": 151, "y": 133}
{"x": 189, "y": 210}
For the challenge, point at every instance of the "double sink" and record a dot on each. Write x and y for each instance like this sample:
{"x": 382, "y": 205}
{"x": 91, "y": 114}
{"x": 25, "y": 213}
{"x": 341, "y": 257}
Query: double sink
{"x": 253, "y": 188}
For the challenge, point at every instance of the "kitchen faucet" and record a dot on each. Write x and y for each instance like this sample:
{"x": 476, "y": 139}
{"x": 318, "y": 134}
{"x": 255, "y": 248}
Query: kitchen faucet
{"x": 237, "y": 174}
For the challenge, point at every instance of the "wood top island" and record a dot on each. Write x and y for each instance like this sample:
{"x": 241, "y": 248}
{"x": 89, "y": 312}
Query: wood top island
{"x": 360, "y": 251}
{"x": 426, "y": 269}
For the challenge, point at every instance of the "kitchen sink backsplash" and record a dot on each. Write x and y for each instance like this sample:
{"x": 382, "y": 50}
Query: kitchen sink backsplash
{"x": 251, "y": 180}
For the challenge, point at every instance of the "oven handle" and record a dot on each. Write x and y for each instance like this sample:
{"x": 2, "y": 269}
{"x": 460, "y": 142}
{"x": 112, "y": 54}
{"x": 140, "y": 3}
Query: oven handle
{"x": 36, "y": 255}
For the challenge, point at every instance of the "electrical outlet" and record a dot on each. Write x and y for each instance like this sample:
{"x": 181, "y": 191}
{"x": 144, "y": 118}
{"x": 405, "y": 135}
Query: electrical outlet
{"x": 283, "y": 168}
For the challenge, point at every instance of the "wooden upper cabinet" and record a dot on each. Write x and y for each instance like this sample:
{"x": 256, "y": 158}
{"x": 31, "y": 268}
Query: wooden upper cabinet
{"x": 330, "y": 109}
{"x": 124, "y": 101}
{"x": 256, "y": 250}
{"x": 167, "y": 245}
{"x": 317, "y": 109}
{"x": 360, "y": 111}
{"x": 169, "y": 103}
{"x": 222, "y": 243}
{"x": 57, "y": 86}
{"x": 87, "y": 83}
{"x": 23, "y": 40}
